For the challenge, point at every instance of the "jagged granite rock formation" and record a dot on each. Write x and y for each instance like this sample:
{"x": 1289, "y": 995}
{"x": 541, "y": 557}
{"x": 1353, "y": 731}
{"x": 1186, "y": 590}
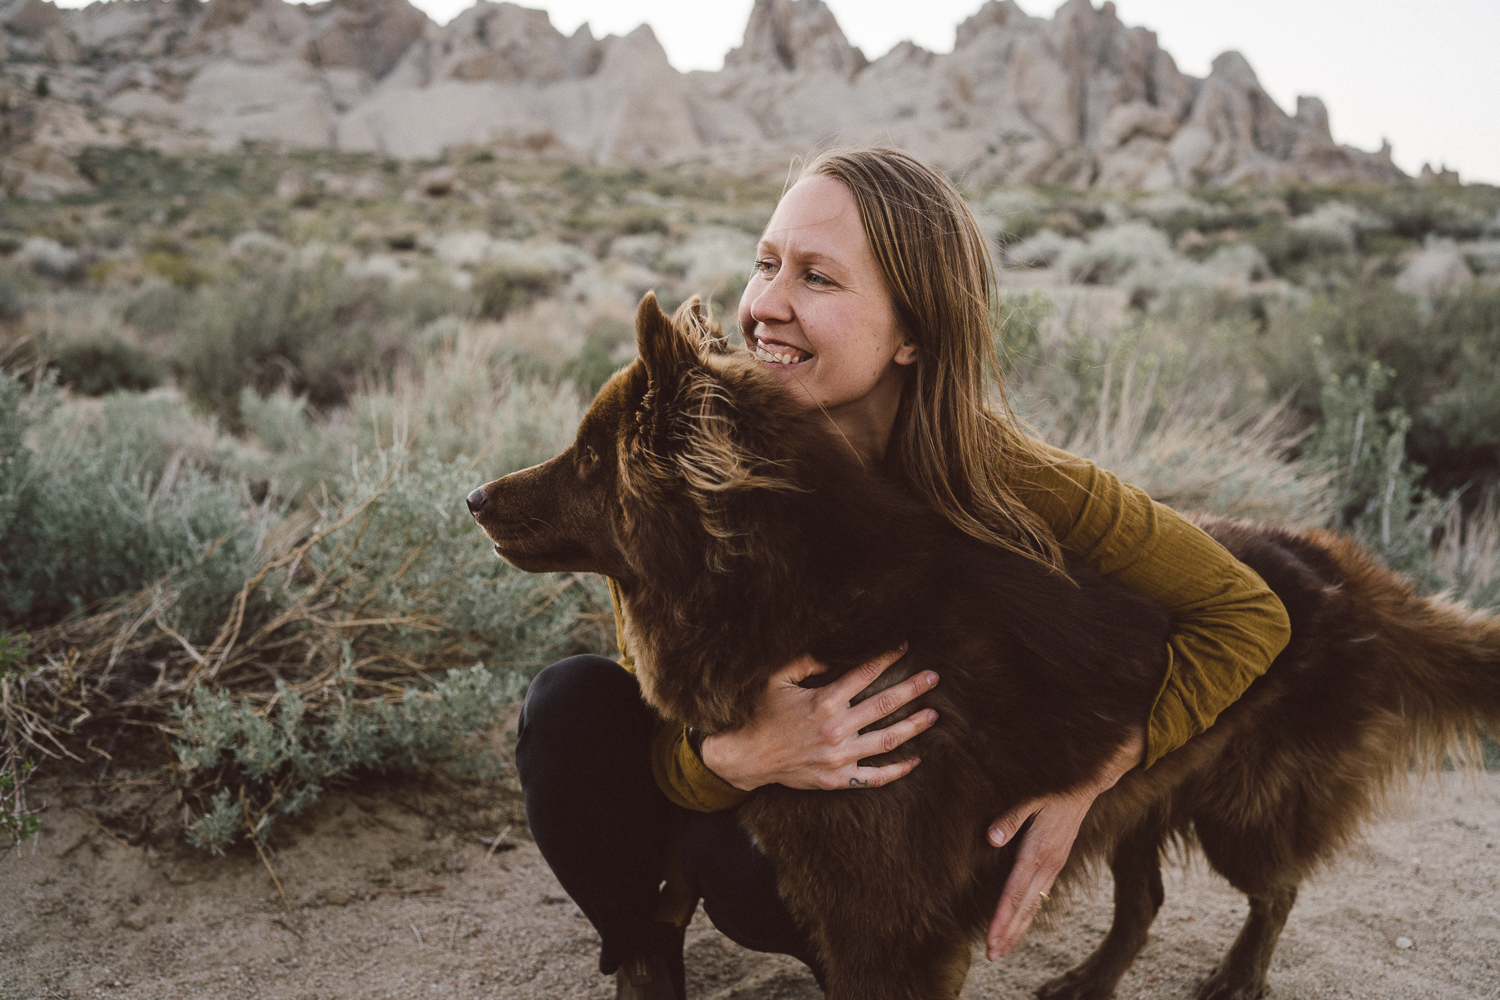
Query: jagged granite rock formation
{"x": 1079, "y": 98}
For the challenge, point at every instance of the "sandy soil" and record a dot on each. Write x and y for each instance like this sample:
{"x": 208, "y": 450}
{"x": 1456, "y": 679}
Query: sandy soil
{"x": 393, "y": 894}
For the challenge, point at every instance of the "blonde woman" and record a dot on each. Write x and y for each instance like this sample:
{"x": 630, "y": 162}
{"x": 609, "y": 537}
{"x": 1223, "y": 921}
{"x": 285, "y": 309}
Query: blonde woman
{"x": 871, "y": 298}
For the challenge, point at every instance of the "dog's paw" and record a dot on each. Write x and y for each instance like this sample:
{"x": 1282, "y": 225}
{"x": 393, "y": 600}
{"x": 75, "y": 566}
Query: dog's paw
{"x": 1082, "y": 982}
{"x": 1221, "y": 985}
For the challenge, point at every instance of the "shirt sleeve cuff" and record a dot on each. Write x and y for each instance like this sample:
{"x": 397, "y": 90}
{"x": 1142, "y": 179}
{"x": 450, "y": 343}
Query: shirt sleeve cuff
{"x": 684, "y": 778}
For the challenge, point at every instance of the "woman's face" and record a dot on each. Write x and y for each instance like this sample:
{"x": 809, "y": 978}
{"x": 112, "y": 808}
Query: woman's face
{"x": 817, "y": 312}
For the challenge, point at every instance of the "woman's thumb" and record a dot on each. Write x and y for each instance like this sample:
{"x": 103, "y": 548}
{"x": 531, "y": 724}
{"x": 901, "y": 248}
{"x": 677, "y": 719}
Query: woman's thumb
{"x": 1003, "y": 830}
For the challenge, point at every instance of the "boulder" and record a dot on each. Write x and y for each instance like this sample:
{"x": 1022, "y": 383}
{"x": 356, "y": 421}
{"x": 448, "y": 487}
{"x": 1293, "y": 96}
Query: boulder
{"x": 1437, "y": 270}
{"x": 795, "y": 36}
{"x": 1079, "y": 98}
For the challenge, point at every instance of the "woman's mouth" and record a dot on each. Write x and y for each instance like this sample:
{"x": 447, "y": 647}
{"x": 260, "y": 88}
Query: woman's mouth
{"x": 780, "y": 354}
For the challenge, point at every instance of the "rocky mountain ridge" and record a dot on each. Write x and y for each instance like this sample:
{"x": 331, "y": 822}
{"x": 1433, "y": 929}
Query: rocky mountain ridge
{"x": 1078, "y": 99}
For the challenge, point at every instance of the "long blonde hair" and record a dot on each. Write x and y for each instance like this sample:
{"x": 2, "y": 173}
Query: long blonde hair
{"x": 949, "y": 442}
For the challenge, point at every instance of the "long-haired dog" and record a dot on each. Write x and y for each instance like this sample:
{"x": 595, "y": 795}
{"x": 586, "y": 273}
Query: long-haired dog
{"x": 743, "y": 534}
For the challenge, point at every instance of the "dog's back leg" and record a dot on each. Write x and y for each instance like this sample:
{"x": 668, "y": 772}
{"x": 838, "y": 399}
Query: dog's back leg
{"x": 1136, "y": 867}
{"x": 1263, "y": 866}
{"x": 1241, "y": 975}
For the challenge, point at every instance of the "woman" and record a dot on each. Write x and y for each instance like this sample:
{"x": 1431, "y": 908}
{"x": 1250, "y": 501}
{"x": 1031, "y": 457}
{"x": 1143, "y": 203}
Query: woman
{"x": 871, "y": 298}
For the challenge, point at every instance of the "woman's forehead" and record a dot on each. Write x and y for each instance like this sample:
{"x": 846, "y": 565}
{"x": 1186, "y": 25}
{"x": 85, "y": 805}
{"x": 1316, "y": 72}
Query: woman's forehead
{"x": 818, "y": 217}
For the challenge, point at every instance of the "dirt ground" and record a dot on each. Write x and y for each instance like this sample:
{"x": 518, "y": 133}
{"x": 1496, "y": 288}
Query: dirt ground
{"x": 394, "y": 894}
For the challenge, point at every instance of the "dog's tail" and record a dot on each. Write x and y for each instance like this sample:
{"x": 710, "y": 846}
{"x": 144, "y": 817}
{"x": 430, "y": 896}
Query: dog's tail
{"x": 1444, "y": 659}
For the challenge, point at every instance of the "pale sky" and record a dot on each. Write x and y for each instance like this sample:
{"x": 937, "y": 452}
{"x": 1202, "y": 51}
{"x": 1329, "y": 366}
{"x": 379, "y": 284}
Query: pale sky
{"x": 1424, "y": 74}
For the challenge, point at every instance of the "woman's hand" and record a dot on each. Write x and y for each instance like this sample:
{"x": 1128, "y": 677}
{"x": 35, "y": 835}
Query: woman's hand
{"x": 1044, "y": 849}
{"x": 809, "y": 737}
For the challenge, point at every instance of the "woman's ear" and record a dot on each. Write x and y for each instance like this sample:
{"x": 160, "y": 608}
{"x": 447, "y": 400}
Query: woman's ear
{"x": 907, "y": 353}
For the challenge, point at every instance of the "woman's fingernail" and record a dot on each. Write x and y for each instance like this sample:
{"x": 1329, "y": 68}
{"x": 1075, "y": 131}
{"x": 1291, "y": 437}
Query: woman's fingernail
{"x": 997, "y": 837}
{"x": 931, "y": 716}
{"x": 930, "y": 678}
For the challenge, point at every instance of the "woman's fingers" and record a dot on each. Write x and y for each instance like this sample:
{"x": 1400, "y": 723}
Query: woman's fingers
{"x": 874, "y": 777}
{"x": 1018, "y": 908}
{"x": 883, "y": 703}
{"x": 846, "y": 687}
{"x": 892, "y": 736}
{"x": 1040, "y": 856}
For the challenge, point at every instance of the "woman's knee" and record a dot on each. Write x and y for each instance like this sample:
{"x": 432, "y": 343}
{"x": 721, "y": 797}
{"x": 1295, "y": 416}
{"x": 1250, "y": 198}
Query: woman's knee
{"x": 578, "y": 689}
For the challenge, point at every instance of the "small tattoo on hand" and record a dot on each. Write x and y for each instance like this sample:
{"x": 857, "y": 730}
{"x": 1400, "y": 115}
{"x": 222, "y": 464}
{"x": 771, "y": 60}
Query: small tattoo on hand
{"x": 856, "y": 783}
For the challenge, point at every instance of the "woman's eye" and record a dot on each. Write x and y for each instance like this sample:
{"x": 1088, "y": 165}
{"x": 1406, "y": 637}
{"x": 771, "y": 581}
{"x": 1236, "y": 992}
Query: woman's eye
{"x": 765, "y": 267}
{"x": 814, "y": 278}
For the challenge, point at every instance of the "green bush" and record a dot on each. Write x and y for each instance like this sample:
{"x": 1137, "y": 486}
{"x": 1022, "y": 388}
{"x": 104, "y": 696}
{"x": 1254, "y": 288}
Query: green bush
{"x": 14, "y": 292}
{"x": 80, "y": 523}
{"x": 308, "y": 329}
{"x": 502, "y": 286}
{"x": 106, "y": 363}
{"x": 1377, "y": 494}
{"x": 1442, "y": 368}
{"x": 279, "y": 766}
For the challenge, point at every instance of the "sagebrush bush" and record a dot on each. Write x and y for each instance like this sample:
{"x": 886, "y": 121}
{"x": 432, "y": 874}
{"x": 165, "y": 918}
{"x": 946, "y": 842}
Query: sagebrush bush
{"x": 106, "y": 363}
{"x": 269, "y": 763}
{"x": 505, "y": 285}
{"x": 81, "y": 522}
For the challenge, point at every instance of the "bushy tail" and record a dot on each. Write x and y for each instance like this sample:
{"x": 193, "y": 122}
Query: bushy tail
{"x": 1445, "y": 658}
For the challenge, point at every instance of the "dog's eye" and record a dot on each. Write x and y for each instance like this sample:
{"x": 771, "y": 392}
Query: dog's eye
{"x": 593, "y": 456}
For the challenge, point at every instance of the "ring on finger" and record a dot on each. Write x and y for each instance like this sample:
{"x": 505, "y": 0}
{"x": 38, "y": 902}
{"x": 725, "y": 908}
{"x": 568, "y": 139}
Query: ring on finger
{"x": 1045, "y": 898}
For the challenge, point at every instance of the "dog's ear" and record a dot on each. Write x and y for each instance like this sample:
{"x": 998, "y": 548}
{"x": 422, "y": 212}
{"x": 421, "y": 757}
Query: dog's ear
{"x": 698, "y": 323}
{"x": 665, "y": 349}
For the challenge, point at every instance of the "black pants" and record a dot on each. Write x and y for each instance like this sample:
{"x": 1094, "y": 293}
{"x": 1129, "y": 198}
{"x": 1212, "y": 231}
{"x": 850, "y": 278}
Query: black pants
{"x": 603, "y": 825}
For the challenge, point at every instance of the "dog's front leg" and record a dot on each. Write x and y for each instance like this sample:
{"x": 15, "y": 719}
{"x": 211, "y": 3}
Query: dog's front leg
{"x": 914, "y": 972}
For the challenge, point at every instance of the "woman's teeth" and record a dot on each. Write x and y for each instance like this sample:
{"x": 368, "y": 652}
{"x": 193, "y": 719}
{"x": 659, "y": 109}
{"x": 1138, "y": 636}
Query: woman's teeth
{"x": 788, "y": 357}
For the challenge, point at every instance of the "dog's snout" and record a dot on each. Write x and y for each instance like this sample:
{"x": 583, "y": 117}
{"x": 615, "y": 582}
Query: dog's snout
{"x": 475, "y": 500}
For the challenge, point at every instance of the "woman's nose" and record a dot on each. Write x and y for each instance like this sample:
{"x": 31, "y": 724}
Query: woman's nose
{"x": 770, "y": 303}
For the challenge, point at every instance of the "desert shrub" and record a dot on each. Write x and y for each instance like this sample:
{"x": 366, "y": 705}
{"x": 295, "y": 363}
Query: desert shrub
{"x": 360, "y": 611}
{"x": 84, "y": 523}
{"x": 1111, "y": 253}
{"x": 1041, "y": 249}
{"x": 1161, "y": 420}
{"x": 306, "y": 328}
{"x": 504, "y": 285}
{"x": 593, "y": 366}
{"x": 281, "y": 764}
{"x": 14, "y": 294}
{"x": 1442, "y": 364}
{"x": 158, "y": 308}
{"x": 1376, "y": 490}
{"x": 176, "y": 267}
{"x": 106, "y": 363}
{"x": 1466, "y": 563}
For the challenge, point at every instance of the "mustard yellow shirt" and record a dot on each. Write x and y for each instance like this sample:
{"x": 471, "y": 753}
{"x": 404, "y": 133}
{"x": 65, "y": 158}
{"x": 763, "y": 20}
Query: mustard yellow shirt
{"x": 1227, "y": 625}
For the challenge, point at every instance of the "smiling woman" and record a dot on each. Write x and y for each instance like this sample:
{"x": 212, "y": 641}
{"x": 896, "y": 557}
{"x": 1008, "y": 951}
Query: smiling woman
{"x": 871, "y": 302}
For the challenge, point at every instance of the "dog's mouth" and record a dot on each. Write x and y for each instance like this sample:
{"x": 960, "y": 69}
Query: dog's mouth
{"x": 778, "y": 353}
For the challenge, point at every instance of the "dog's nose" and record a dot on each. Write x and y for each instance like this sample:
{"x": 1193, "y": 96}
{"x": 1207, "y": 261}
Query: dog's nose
{"x": 475, "y": 500}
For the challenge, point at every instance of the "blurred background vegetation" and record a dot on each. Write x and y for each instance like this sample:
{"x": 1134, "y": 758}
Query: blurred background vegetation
{"x": 243, "y": 397}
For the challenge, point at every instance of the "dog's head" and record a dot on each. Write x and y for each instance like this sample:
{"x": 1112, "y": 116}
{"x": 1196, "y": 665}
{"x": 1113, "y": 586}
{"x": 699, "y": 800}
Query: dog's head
{"x": 645, "y": 490}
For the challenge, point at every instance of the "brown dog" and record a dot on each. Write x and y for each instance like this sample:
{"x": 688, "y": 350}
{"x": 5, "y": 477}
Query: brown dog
{"x": 742, "y": 536}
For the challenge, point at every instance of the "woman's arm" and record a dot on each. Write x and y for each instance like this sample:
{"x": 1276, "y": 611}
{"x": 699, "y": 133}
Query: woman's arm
{"x": 1227, "y": 625}
{"x": 800, "y": 737}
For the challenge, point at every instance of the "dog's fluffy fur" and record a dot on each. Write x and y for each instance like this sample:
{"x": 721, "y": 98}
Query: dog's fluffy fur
{"x": 743, "y": 535}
